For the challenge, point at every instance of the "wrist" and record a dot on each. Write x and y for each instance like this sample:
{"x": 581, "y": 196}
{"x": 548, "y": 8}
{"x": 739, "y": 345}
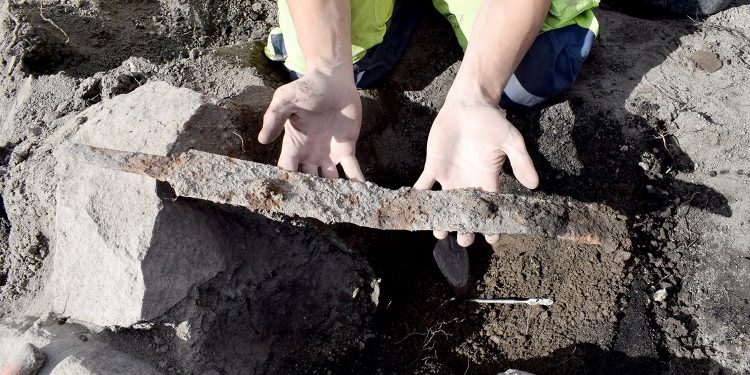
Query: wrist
{"x": 480, "y": 78}
{"x": 467, "y": 87}
{"x": 471, "y": 95}
{"x": 339, "y": 71}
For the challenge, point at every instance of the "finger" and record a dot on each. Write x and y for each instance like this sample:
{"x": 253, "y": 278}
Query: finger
{"x": 491, "y": 185}
{"x": 287, "y": 162}
{"x": 278, "y": 112}
{"x": 465, "y": 239}
{"x": 425, "y": 182}
{"x": 523, "y": 166}
{"x": 328, "y": 170}
{"x": 352, "y": 170}
{"x": 492, "y": 238}
{"x": 440, "y": 234}
{"x": 310, "y": 168}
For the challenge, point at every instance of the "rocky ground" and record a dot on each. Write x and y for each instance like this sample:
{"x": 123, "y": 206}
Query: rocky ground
{"x": 656, "y": 129}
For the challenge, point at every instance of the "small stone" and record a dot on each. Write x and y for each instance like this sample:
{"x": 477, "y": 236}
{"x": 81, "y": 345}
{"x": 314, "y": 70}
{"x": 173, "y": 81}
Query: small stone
{"x": 707, "y": 60}
{"x": 195, "y": 53}
{"x": 660, "y": 295}
{"x": 183, "y": 331}
{"x": 81, "y": 120}
{"x": 698, "y": 354}
{"x": 50, "y": 116}
{"x": 63, "y": 107}
{"x": 643, "y": 165}
{"x": 28, "y": 359}
{"x": 495, "y": 339}
{"x": 712, "y": 173}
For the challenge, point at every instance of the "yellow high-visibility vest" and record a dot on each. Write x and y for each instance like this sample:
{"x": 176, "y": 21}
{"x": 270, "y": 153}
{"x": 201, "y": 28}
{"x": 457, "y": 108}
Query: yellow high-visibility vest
{"x": 370, "y": 19}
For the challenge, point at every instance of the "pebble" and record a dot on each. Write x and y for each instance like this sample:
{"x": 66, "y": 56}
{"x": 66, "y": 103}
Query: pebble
{"x": 29, "y": 359}
{"x": 660, "y": 295}
{"x": 63, "y": 107}
{"x": 707, "y": 60}
{"x": 195, "y": 53}
{"x": 712, "y": 173}
{"x": 698, "y": 354}
{"x": 50, "y": 116}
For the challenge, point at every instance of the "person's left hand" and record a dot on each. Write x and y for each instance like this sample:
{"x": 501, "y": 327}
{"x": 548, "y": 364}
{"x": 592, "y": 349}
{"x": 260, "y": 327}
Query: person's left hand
{"x": 468, "y": 144}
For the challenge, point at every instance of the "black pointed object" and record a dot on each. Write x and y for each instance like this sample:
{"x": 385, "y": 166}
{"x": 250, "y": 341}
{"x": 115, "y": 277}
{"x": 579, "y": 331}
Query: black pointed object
{"x": 453, "y": 261}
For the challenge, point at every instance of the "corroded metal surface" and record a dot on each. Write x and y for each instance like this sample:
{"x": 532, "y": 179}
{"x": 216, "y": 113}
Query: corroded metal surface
{"x": 262, "y": 187}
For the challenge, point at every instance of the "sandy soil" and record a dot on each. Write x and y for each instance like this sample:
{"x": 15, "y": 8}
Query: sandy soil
{"x": 647, "y": 130}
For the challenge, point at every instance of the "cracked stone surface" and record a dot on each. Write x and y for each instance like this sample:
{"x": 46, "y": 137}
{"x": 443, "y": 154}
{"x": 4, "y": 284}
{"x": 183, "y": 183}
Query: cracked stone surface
{"x": 123, "y": 254}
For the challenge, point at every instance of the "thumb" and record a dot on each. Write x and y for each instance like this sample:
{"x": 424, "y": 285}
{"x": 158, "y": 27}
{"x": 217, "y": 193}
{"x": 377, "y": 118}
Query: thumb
{"x": 425, "y": 181}
{"x": 523, "y": 166}
{"x": 278, "y": 112}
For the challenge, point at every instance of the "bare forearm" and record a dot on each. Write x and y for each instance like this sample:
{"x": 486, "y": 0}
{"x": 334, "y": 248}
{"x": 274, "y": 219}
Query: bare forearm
{"x": 503, "y": 32}
{"x": 324, "y": 34}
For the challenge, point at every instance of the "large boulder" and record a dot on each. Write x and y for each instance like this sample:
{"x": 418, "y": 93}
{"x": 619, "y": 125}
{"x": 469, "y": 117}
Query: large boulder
{"x": 219, "y": 288}
{"x": 125, "y": 254}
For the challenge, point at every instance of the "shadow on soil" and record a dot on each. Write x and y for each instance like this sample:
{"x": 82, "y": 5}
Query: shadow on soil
{"x": 82, "y": 41}
{"x": 590, "y": 359}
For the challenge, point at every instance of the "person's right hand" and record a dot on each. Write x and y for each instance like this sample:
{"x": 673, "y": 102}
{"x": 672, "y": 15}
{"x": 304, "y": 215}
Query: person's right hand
{"x": 321, "y": 115}
{"x": 469, "y": 142}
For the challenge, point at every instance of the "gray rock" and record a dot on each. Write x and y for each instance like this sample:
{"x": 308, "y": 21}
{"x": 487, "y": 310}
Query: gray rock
{"x": 123, "y": 254}
{"x": 64, "y": 351}
{"x": 27, "y": 360}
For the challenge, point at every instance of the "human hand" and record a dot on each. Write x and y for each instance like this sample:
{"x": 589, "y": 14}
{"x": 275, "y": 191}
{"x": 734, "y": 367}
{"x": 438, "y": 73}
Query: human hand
{"x": 467, "y": 147}
{"x": 321, "y": 115}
